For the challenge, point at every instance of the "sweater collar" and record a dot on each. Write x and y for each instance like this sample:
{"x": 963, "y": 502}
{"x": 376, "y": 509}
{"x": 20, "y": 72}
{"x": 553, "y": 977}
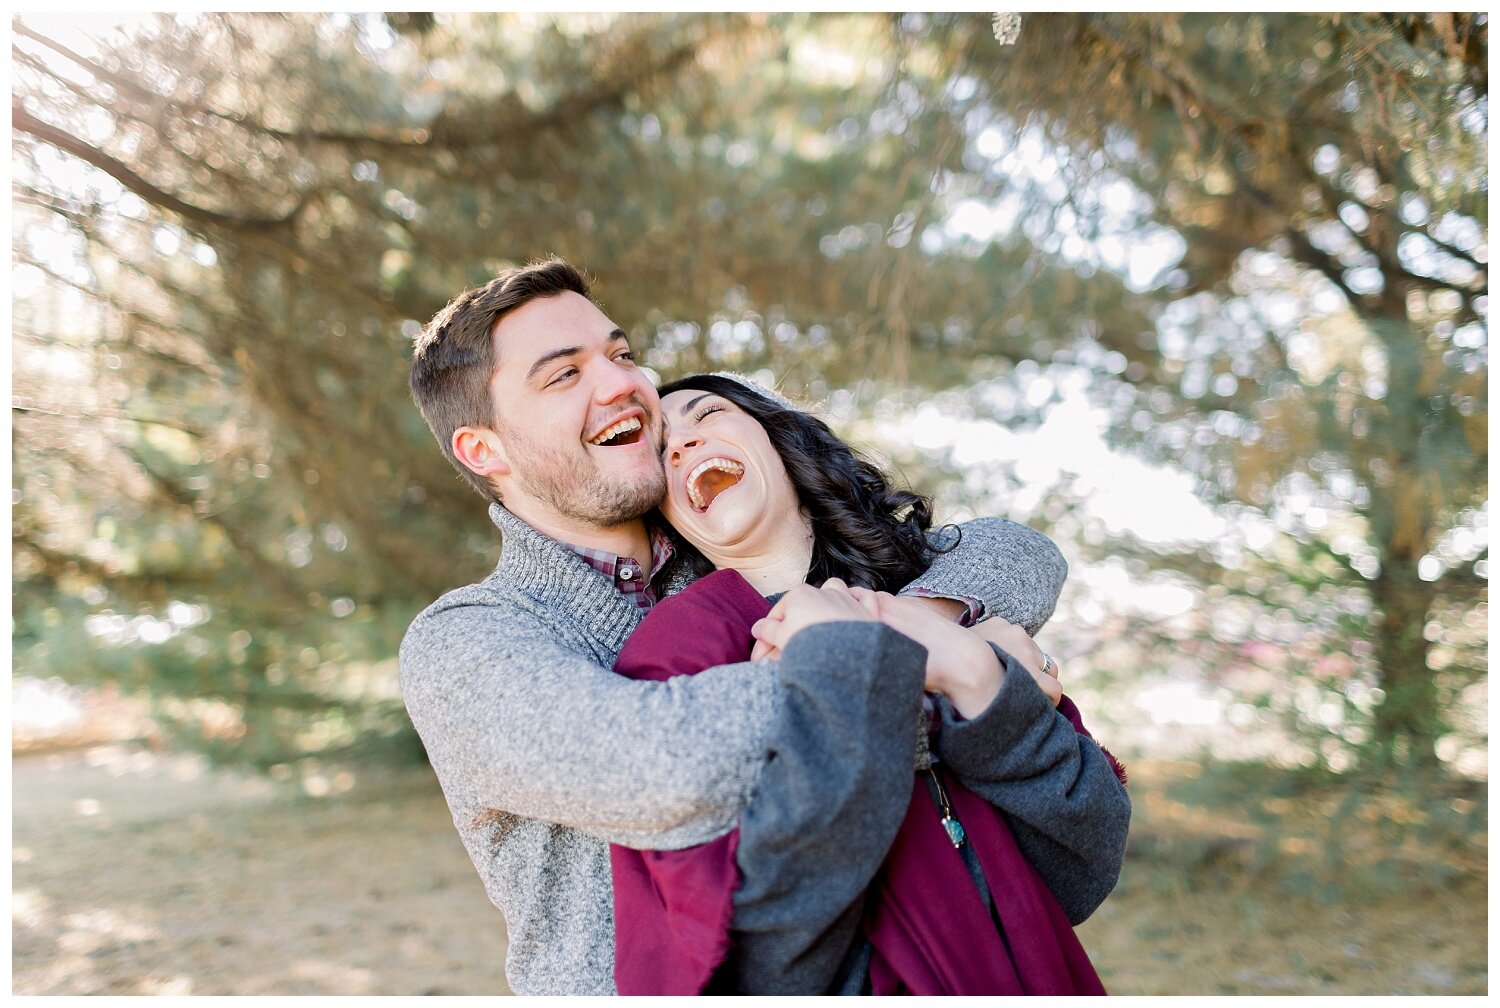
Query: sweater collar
{"x": 550, "y": 572}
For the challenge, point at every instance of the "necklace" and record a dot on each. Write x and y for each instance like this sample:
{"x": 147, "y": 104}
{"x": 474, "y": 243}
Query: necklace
{"x": 952, "y": 826}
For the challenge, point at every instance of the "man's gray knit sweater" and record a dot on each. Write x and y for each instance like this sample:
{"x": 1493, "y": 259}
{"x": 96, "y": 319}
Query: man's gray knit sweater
{"x": 545, "y": 755}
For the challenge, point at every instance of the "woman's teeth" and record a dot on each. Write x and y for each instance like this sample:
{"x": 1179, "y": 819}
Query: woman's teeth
{"x": 695, "y": 490}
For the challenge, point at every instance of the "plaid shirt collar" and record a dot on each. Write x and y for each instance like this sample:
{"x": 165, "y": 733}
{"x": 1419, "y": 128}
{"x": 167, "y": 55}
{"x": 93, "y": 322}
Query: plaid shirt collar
{"x": 625, "y": 572}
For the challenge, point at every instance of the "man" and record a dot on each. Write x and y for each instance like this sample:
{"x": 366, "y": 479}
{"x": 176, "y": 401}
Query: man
{"x": 545, "y": 755}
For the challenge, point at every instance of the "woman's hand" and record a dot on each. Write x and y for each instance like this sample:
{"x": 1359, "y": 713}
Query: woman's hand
{"x": 960, "y": 665}
{"x": 1015, "y": 642}
{"x": 802, "y": 607}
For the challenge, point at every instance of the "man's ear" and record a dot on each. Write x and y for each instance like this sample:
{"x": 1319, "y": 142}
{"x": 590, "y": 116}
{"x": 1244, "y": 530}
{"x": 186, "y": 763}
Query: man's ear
{"x": 480, "y": 450}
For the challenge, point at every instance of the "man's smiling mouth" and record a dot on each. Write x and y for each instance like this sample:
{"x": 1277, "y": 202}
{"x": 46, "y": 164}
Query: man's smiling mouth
{"x": 624, "y": 432}
{"x": 710, "y": 478}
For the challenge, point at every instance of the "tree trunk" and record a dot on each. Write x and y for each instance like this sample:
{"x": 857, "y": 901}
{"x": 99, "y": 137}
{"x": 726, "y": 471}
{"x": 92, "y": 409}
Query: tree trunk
{"x": 1410, "y": 710}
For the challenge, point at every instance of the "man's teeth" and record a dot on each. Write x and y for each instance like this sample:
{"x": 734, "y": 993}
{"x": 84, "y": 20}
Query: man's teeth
{"x": 615, "y": 430}
{"x": 707, "y": 465}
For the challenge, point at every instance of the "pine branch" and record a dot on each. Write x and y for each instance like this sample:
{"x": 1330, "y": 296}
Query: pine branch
{"x": 272, "y": 574}
{"x": 1452, "y": 250}
{"x": 1305, "y": 252}
{"x": 115, "y": 80}
{"x": 24, "y": 122}
{"x": 146, "y": 586}
{"x": 1384, "y": 256}
{"x": 24, "y": 407}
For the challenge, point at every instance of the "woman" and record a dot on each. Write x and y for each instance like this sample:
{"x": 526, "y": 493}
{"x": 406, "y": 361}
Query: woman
{"x": 958, "y": 906}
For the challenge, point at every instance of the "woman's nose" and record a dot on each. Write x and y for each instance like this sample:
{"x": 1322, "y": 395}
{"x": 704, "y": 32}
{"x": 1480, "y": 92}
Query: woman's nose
{"x": 678, "y": 444}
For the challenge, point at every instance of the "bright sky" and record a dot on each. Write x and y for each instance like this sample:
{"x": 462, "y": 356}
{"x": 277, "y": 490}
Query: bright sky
{"x": 78, "y": 31}
{"x": 1128, "y": 495}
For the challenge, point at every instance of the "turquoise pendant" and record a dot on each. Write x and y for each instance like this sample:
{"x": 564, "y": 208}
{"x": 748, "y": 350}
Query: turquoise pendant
{"x": 955, "y": 831}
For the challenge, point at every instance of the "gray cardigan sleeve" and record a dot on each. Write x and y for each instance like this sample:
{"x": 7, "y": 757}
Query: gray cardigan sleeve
{"x": 1067, "y": 809}
{"x": 831, "y": 798}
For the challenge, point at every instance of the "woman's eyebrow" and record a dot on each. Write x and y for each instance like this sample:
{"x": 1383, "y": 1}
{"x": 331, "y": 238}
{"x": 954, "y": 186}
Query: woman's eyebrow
{"x": 688, "y": 406}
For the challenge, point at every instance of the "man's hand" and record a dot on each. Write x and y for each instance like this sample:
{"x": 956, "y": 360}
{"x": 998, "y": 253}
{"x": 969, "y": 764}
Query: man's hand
{"x": 1015, "y": 642}
{"x": 802, "y": 607}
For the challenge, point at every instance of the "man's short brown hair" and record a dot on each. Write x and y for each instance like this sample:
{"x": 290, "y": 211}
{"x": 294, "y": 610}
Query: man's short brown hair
{"x": 454, "y": 357}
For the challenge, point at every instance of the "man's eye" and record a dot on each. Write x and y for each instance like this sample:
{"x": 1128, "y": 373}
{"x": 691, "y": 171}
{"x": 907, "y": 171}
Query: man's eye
{"x": 626, "y": 355}
{"x": 562, "y": 375}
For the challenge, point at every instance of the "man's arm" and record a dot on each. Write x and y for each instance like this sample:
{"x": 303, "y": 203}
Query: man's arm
{"x": 513, "y": 720}
{"x": 1011, "y": 570}
{"x": 517, "y": 722}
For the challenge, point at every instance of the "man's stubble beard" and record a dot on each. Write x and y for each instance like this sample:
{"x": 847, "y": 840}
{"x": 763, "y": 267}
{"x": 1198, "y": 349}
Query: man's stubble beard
{"x": 574, "y": 487}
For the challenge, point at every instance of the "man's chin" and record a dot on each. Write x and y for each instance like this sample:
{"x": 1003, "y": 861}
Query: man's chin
{"x": 598, "y": 489}
{"x": 625, "y": 500}
{"x": 643, "y": 483}
{"x": 646, "y": 497}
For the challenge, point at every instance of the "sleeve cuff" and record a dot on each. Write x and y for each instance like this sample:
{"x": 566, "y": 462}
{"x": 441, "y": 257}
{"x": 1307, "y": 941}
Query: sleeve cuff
{"x": 1005, "y": 739}
{"x": 852, "y": 651}
{"x": 974, "y": 608}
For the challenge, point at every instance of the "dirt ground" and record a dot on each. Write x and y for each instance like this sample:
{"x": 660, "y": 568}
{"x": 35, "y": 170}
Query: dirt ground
{"x": 135, "y": 873}
{"x": 141, "y": 873}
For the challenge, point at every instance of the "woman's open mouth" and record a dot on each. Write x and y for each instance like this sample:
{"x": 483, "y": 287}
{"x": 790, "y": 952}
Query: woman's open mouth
{"x": 710, "y": 478}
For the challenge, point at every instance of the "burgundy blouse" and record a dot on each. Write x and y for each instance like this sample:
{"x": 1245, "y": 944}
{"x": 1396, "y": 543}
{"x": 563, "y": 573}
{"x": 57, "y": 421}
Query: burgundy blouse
{"x": 926, "y": 922}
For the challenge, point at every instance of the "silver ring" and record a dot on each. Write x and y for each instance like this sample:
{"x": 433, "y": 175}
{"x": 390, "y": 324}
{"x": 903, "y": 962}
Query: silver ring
{"x": 1048, "y": 665}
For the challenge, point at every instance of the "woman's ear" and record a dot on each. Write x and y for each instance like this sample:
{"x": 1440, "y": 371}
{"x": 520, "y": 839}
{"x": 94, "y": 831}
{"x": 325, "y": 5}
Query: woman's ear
{"x": 481, "y": 451}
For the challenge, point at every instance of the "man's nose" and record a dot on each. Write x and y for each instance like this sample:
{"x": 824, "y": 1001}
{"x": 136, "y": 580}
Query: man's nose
{"x": 615, "y": 383}
{"x": 679, "y": 444}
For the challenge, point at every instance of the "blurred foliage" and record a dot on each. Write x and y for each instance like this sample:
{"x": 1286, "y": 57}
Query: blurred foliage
{"x": 1257, "y": 241}
{"x": 1309, "y": 832}
{"x": 1324, "y": 360}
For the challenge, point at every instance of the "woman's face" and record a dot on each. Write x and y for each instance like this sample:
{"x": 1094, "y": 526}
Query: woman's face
{"x": 727, "y": 490}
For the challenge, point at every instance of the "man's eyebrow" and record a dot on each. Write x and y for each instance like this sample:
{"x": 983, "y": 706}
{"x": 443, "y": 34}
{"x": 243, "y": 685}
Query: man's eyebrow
{"x": 568, "y": 351}
{"x": 688, "y": 406}
{"x": 548, "y": 358}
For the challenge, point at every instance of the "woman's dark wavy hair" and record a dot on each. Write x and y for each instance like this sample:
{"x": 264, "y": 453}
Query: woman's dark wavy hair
{"x": 864, "y": 530}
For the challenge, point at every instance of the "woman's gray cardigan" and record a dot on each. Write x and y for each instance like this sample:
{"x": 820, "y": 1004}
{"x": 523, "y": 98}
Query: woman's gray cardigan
{"x": 545, "y": 755}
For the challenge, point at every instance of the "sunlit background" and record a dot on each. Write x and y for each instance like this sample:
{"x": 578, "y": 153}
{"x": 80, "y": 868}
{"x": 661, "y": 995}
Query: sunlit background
{"x": 1203, "y": 297}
